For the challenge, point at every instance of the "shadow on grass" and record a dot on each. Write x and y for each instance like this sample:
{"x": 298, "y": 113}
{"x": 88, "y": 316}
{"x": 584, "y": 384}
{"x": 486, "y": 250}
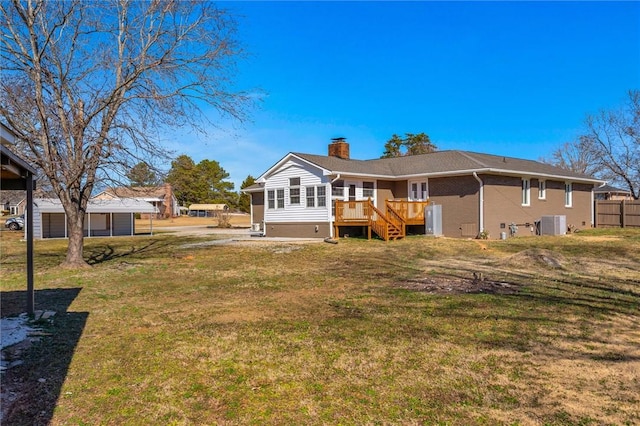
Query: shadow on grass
{"x": 107, "y": 252}
{"x": 37, "y": 383}
{"x": 547, "y": 303}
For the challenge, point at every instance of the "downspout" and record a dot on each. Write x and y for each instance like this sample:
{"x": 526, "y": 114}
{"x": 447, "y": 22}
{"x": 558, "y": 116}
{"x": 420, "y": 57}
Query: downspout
{"x": 593, "y": 209}
{"x": 481, "y": 201}
{"x": 331, "y": 198}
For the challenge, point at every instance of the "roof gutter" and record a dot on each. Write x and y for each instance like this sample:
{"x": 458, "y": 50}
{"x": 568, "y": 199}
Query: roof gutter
{"x": 481, "y": 201}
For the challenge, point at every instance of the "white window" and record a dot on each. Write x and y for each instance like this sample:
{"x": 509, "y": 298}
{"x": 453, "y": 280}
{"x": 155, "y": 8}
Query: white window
{"x": 275, "y": 199}
{"x": 311, "y": 197}
{"x": 568, "y": 194}
{"x": 542, "y": 190}
{"x": 367, "y": 190}
{"x": 271, "y": 199}
{"x": 280, "y": 198}
{"x": 526, "y": 192}
{"x": 294, "y": 190}
{"x": 337, "y": 189}
{"x": 316, "y": 196}
{"x": 321, "y": 193}
{"x": 418, "y": 191}
{"x": 294, "y": 195}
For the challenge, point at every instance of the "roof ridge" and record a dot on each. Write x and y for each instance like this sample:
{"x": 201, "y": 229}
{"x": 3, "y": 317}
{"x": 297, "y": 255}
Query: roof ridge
{"x": 468, "y": 156}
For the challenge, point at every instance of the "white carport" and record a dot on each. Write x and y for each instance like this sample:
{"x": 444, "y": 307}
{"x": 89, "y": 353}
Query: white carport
{"x": 104, "y": 218}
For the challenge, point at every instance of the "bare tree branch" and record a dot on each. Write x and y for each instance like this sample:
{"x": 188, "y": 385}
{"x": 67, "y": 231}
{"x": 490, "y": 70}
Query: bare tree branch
{"x": 89, "y": 86}
{"x": 609, "y": 148}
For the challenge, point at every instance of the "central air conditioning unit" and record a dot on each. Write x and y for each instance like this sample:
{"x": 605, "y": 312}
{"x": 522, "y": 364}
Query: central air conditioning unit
{"x": 255, "y": 227}
{"x": 553, "y": 225}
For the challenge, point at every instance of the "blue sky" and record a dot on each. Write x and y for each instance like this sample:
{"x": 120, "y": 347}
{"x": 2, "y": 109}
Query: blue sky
{"x": 505, "y": 78}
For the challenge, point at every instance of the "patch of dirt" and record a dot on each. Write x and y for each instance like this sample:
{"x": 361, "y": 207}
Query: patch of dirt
{"x": 535, "y": 257}
{"x": 445, "y": 284}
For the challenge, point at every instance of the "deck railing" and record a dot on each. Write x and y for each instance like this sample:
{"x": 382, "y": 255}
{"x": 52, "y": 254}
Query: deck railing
{"x": 411, "y": 211}
{"x": 389, "y": 225}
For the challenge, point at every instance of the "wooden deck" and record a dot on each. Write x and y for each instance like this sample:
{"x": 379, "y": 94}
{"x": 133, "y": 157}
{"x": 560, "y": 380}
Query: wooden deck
{"x": 388, "y": 225}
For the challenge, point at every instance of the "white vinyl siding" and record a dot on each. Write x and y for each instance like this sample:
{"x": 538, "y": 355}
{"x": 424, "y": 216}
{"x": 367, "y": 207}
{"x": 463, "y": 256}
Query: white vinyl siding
{"x": 286, "y": 177}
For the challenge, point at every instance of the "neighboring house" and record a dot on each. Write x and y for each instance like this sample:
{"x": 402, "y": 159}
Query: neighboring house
{"x": 161, "y": 197}
{"x": 608, "y": 192}
{"x": 104, "y": 218}
{"x": 206, "y": 210}
{"x": 13, "y": 202}
{"x": 305, "y": 195}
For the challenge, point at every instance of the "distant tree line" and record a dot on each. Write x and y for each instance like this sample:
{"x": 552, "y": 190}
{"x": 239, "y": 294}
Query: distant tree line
{"x": 205, "y": 182}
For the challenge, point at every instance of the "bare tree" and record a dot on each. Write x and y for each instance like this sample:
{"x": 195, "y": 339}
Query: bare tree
{"x": 89, "y": 87}
{"x": 575, "y": 157}
{"x": 613, "y": 138}
{"x": 609, "y": 147}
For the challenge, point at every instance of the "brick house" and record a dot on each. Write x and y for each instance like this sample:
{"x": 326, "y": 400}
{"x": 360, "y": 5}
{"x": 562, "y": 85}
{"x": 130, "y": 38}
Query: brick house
{"x": 307, "y": 195}
{"x": 161, "y": 197}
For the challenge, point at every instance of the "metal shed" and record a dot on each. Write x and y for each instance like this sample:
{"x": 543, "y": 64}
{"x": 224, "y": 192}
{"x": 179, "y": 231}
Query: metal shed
{"x": 104, "y": 218}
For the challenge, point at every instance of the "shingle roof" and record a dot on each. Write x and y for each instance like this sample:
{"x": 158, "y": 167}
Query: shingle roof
{"x": 609, "y": 188}
{"x": 439, "y": 162}
{"x": 253, "y": 188}
{"x": 120, "y": 205}
{"x": 137, "y": 192}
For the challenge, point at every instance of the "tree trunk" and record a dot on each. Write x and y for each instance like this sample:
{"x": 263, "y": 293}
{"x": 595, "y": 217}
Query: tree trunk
{"x": 75, "y": 251}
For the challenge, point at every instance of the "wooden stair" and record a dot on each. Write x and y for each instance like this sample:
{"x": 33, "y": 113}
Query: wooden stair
{"x": 388, "y": 226}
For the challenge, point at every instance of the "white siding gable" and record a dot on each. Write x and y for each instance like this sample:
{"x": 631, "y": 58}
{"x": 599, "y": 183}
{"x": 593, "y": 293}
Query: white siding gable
{"x": 309, "y": 176}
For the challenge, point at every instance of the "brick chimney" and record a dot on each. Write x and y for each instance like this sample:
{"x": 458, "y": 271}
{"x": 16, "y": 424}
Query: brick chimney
{"x": 339, "y": 148}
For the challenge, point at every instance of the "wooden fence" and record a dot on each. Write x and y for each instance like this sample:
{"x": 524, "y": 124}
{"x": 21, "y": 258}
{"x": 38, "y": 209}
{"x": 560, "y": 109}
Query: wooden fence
{"x": 617, "y": 214}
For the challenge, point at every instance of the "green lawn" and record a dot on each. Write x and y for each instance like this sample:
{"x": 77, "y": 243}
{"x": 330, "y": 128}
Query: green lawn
{"x": 160, "y": 332}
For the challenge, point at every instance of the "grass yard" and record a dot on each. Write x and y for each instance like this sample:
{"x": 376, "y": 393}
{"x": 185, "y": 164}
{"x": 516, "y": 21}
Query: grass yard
{"x": 419, "y": 331}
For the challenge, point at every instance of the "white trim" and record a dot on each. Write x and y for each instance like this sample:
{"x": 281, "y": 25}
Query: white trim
{"x": 526, "y": 192}
{"x": 419, "y": 182}
{"x": 263, "y": 177}
{"x": 542, "y": 189}
{"x": 568, "y": 194}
